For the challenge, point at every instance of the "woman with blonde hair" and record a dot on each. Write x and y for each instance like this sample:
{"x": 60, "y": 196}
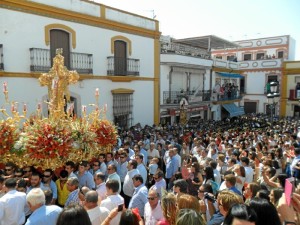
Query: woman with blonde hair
{"x": 188, "y": 202}
{"x": 169, "y": 208}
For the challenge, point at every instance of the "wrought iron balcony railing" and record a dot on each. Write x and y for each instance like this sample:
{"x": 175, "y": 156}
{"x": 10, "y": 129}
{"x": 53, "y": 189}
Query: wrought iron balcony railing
{"x": 174, "y": 97}
{"x": 1, "y": 57}
{"x": 123, "y": 66}
{"x": 40, "y": 61}
{"x": 182, "y": 49}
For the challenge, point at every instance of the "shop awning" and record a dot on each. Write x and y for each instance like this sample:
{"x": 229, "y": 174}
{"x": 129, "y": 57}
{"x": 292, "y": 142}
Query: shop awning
{"x": 231, "y": 75}
{"x": 234, "y": 110}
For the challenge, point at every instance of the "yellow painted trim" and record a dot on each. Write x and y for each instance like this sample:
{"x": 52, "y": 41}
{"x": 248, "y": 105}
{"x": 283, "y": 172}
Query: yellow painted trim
{"x": 102, "y": 11}
{"x": 156, "y": 85}
{"x": 67, "y": 15}
{"x": 81, "y": 77}
{"x": 120, "y": 38}
{"x": 217, "y": 69}
{"x": 226, "y": 101}
{"x": 122, "y": 91}
{"x": 58, "y": 26}
{"x": 283, "y": 96}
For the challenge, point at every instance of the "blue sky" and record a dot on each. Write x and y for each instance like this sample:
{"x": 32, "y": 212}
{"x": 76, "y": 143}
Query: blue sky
{"x": 230, "y": 19}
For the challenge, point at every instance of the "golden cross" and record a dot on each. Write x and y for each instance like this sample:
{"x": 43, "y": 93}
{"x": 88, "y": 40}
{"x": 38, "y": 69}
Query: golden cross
{"x": 57, "y": 80}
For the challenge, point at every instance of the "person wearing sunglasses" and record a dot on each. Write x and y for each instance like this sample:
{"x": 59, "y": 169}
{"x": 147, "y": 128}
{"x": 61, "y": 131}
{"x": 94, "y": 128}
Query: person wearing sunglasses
{"x": 153, "y": 211}
{"x": 48, "y": 182}
{"x": 140, "y": 194}
{"x": 9, "y": 170}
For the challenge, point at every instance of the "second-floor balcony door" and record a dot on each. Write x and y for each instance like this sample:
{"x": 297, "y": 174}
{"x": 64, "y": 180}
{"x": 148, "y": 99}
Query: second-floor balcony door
{"x": 120, "y": 58}
{"x": 60, "y": 39}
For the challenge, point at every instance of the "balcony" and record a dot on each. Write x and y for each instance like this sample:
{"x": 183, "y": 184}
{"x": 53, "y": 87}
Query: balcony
{"x": 225, "y": 64}
{"x": 40, "y": 61}
{"x": 174, "y": 97}
{"x": 1, "y": 57}
{"x": 180, "y": 49}
{"x": 260, "y": 64}
{"x": 123, "y": 66}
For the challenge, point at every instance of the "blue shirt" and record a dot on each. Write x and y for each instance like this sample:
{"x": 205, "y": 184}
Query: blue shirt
{"x": 171, "y": 167}
{"x": 73, "y": 198}
{"x": 139, "y": 199}
{"x": 122, "y": 170}
{"x": 46, "y": 215}
{"x": 86, "y": 179}
{"x": 235, "y": 190}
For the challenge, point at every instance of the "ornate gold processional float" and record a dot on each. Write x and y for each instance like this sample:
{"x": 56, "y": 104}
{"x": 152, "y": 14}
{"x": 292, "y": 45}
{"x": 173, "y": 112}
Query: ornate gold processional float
{"x": 48, "y": 142}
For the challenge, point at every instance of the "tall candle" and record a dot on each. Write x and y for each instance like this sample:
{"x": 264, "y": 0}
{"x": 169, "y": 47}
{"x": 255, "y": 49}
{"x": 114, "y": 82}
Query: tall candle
{"x": 97, "y": 92}
{"x": 4, "y": 87}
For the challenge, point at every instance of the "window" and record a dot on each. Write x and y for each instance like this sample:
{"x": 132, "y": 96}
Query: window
{"x": 231, "y": 58}
{"x": 260, "y": 56}
{"x": 219, "y": 57}
{"x": 272, "y": 78}
{"x": 122, "y": 110}
{"x": 60, "y": 39}
{"x": 247, "y": 57}
{"x": 280, "y": 55}
{"x": 120, "y": 60}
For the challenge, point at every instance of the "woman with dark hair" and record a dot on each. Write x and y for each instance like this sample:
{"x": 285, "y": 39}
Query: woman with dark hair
{"x": 209, "y": 175}
{"x": 195, "y": 179}
{"x": 279, "y": 157}
{"x": 263, "y": 193}
{"x": 73, "y": 215}
{"x": 130, "y": 217}
{"x": 240, "y": 214}
{"x": 240, "y": 174}
{"x": 275, "y": 195}
{"x": 250, "y": 191}
{"x": 265, "y": 211}
{"x": 208, "y": 204}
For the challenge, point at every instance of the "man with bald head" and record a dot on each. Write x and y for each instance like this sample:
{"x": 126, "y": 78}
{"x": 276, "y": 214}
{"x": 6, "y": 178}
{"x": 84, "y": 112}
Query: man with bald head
{"x": 153, "y": 211}
{"x": 97, "y": 214}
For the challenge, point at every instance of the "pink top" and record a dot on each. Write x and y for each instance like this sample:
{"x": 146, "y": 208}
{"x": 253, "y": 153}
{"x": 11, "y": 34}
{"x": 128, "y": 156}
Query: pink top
{"x": 163, "y": 222}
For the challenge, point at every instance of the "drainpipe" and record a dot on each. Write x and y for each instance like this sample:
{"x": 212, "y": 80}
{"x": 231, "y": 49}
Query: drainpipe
{"x": 170, "y": 81}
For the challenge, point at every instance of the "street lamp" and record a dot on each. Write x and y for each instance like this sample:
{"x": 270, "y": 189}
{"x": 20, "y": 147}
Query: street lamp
{"x": 273, "y": 94}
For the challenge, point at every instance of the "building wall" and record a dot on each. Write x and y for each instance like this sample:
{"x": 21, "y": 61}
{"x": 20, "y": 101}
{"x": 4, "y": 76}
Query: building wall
{"x": 27, "y": 30}
{"x": 291, "y": 75}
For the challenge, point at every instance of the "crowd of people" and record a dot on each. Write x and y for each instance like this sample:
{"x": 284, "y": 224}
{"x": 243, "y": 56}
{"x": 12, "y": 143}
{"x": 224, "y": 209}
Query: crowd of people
{"x": 229, "y": 172}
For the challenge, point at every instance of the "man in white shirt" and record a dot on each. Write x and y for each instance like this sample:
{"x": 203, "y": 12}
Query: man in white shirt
{"x": 12, "y": 204}
{"x": 152, "y": 152}
{"x": 99, "y": 179}
{"x": 128, "y": 187}
{"x": 97, "y": 214}
{"x": 113, "y": 200}
{"x": 249, "y": 171}
{"x": 153, "y": 210}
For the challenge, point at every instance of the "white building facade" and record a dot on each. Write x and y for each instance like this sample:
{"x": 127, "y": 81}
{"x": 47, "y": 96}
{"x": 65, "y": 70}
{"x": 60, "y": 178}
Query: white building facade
{"x": 190, "y": 77}
{"x": 113, "y": 50}
{"x": 262, "y": 62}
